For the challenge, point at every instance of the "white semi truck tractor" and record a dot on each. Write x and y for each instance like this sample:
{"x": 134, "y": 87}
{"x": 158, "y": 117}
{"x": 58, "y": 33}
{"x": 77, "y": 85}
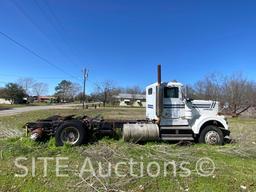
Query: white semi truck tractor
{"x": 170, "y": 116}
{"x": 173, "y": 117}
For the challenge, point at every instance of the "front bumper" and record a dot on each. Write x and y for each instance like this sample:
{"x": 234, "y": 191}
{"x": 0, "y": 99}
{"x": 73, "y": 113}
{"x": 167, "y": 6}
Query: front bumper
{"x": 225, "y": 132}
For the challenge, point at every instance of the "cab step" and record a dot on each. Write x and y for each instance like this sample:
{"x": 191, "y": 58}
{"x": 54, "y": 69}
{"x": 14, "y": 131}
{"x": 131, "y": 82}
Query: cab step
{"x": 175, "y": 128}
{"x": 177, "y": 137}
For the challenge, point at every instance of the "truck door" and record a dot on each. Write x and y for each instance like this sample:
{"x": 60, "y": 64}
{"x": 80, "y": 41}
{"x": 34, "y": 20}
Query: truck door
{"x": 173, "y": 106}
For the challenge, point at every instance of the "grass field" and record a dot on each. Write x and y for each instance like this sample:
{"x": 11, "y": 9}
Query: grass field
{"x": 235, "y": 163}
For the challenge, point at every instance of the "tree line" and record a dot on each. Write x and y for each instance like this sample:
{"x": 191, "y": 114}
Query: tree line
{"x": 234, "y": 89}
{"x": 65, "y": 91}
{"x": 24, "y": 87}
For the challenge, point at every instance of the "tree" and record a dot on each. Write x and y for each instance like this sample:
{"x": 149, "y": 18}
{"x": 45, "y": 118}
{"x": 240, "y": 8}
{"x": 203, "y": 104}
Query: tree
{"x": 191, "y": 93}
{"x": 134, "y": 90}
{"x": 39, "y": 89}
{"x": 26, "y": 84}
{"x": 210, "y": 87}
{"x": 14, "y": 93}
{"x": 80, "y": 96}
{"x": 67, "y": 90}
{"x": 2, "y": 92}
{"x": 104, "y": 92}
{"x": 75, "y": 89}
{"x": 238, "y": 91}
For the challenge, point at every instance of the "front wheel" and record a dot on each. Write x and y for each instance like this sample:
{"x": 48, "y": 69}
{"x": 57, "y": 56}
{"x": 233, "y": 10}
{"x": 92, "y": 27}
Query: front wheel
{"x": 211, "y": 135}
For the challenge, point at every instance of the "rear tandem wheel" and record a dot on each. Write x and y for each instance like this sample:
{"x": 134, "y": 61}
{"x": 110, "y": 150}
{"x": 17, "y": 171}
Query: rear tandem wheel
{"x": 70, "y": 132}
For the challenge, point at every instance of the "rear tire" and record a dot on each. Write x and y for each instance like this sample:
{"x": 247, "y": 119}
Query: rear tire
{"x": 70, "y": 132}
{"x": 211, "y": 135}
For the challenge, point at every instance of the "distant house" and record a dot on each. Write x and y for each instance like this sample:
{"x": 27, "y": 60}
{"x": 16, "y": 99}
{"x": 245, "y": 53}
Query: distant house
{"x": 4, "y": 101}
{"x": 135, "y": 100}
{"x": 9, "y": 102}
{"x": 44, "y": 99}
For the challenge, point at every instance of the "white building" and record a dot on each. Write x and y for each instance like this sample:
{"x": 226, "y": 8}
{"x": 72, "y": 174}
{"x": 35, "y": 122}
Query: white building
{"x": 135, "y": 100}
{"x": 4, "y": 101}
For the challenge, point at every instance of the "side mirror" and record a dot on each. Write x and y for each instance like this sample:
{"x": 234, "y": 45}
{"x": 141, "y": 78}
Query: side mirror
{"x": 189, "y": 99}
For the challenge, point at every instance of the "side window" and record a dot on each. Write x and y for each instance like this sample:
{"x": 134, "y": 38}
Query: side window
{"x": 150, "y": 90}
{"x": 171, "y": 92}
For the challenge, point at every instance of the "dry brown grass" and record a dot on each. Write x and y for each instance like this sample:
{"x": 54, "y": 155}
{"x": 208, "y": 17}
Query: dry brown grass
{"x": 243, "y": 135}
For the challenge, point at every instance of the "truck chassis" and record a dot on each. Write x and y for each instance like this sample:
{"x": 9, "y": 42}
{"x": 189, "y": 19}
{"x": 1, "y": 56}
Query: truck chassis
{"x": 75, "y": 130}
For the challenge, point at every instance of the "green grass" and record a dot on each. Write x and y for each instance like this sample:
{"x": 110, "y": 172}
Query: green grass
{"x": 231, "y": 172}
{"x": 235, "y": 163}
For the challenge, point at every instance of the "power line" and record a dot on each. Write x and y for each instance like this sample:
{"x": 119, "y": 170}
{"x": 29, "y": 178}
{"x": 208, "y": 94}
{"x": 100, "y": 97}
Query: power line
{"x": 54, "y": 15}
{"x": 61, "y": 27}
{"x": 58, "y": 32}
{"x": 20, "y": 8}
{"x": 36, "y": 54}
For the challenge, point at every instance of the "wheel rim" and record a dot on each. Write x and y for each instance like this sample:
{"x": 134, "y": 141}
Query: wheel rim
{"x": 70, "y": 135}
{"x": 212, "y": 137}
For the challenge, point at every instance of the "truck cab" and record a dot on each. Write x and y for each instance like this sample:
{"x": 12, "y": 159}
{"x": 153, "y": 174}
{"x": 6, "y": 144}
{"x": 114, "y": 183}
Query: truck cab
{"x": 180, "y": 118}
{"x": 173, "y": 117}
{"x": 173, "y": 104}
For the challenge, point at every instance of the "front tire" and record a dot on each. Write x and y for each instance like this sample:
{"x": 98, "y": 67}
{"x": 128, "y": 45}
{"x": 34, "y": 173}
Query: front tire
{"x": 211, "y": 135}
{"x": 70, "y": 132}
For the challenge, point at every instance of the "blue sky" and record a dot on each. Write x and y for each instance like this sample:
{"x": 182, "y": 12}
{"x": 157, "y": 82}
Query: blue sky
{"x": 124, "y": 40}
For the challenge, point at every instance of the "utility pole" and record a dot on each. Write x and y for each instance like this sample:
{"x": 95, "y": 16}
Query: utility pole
{"x": 85, "y": 77}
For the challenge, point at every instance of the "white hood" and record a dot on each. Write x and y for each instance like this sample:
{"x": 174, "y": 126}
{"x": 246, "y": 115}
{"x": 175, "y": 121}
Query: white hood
{"x": 205, "y": 106}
